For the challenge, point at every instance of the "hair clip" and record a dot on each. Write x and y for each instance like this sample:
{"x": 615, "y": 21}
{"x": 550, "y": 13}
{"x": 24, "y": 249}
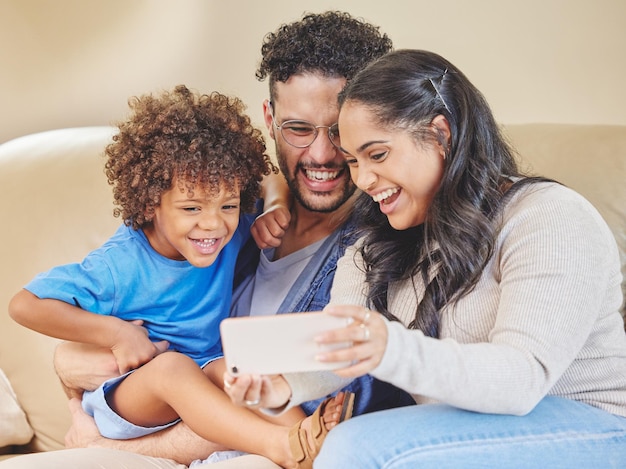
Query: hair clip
{"x": 432, "y": 82}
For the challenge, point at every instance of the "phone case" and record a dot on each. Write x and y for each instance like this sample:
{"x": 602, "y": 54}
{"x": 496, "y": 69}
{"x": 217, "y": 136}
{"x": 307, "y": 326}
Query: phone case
{"x": 279, "y": 343}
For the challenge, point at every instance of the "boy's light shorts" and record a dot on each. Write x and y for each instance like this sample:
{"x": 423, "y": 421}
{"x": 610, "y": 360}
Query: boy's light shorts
{"x": 109, "y": 423}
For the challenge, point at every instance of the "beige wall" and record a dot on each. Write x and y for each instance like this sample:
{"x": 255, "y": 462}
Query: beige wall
{"x": 75, "y": 62}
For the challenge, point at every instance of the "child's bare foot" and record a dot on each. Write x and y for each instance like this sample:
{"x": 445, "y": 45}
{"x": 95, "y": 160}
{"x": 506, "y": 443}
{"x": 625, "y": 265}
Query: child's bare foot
{"x": 333, "y": 410}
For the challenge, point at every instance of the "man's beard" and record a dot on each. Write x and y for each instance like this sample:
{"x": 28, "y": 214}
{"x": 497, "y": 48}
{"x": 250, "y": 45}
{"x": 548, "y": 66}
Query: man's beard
{"x": 315, "y": 201}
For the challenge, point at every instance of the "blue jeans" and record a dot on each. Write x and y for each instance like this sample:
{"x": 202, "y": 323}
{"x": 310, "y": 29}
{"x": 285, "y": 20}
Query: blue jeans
{"x": 558, "y": 433}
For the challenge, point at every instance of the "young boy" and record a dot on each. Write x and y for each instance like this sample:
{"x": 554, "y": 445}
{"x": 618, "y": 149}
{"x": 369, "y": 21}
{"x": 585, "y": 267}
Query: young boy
{"x": 183, "y": 167}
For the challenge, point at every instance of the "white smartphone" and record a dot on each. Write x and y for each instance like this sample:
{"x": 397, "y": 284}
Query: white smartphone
{"x": 278, "y": 343}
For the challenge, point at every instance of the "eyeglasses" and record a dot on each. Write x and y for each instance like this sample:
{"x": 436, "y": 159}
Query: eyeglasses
{"x": 302, "y": 134}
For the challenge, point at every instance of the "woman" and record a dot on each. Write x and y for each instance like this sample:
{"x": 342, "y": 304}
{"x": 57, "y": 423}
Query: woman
{"x": 490, "y": 296}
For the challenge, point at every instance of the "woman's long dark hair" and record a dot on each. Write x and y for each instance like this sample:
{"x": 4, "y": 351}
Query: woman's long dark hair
{"x": 406, "y": 90}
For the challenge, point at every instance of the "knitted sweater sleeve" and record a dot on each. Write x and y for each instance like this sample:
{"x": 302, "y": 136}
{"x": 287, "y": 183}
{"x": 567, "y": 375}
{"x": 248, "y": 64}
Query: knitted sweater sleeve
{"x": 553, "y": 277}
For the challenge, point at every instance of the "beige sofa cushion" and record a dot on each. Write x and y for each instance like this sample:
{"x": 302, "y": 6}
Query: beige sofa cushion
{"x": 591, "y": 159}
{"x": 14, "y": 428}
{"x": 56, "y": 206}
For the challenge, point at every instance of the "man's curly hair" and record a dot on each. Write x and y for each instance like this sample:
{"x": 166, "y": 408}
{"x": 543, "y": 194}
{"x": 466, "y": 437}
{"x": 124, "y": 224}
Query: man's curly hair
{"x": 204, "y": 142}
{"x": 333, "y": 44}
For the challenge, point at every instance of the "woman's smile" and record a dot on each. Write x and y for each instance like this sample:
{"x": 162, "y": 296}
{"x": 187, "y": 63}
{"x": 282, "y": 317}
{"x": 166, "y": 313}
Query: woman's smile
{"x": 399, "y": 173}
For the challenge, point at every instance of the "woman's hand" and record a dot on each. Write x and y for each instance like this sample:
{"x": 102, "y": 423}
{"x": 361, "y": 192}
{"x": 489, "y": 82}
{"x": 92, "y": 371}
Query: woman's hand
{"x": 367, "y": 333}
{"x": 269, "y": 392}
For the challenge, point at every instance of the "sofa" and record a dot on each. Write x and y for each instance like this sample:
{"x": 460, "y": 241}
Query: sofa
{"x": 55, "y": 206}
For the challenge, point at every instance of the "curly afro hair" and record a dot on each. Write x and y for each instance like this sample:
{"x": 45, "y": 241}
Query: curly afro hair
{"x": 332, "y": 43}
{"x": 199, "y": 141}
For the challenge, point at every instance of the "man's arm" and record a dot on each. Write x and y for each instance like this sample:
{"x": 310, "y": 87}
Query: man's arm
{"x": 177, "y": 442}
{"x": 85, "y": 367}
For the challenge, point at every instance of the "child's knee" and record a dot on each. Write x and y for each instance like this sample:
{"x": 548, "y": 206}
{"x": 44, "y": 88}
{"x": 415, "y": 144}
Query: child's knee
{"x": 171, "y": 362}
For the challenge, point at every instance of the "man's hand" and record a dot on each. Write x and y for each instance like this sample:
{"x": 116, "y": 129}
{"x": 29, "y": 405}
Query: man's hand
{"x": 265, "y": 391}
{"x": 83, "y": 433}
{"x": 177, "y": 442}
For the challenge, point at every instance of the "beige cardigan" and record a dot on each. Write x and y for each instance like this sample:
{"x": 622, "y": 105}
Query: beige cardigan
{"x": 543, "y": 319}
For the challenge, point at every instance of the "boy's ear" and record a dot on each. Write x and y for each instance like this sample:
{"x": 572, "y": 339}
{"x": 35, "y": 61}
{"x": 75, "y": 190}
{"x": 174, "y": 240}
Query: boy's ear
{"x": 149, "y": 215}
{"x": 267, "y": 117}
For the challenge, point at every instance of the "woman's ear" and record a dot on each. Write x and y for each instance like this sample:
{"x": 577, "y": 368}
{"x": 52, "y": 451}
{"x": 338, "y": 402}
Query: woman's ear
{"x": 267, "y": 117}
{"x": 444, "y": 138}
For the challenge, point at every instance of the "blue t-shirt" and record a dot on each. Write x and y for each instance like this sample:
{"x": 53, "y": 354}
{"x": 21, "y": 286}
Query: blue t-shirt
{"x": 128, "y": 279}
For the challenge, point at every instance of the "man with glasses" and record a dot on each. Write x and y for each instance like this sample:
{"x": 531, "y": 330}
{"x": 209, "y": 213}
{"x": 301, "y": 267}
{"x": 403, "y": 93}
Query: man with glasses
{"x": 302, "y": 134}
{"x": 307, "y": 62}
{"x": 305, "y": 76}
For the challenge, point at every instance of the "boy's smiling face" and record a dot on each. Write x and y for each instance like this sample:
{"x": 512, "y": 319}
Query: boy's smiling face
{"x": 193, "y": 226}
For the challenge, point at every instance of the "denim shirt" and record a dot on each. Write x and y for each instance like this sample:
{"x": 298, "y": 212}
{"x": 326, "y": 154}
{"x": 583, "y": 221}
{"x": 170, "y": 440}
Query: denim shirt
{"x": 311, "y": 292}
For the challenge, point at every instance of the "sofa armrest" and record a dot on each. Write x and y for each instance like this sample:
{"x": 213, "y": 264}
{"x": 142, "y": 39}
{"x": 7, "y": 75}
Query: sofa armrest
{"x": 57, "y": 206}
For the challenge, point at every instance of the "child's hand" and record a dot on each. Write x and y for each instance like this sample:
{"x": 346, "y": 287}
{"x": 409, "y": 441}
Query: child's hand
{"x": 269, "y": 227}
{"x": 132, "y": 347}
